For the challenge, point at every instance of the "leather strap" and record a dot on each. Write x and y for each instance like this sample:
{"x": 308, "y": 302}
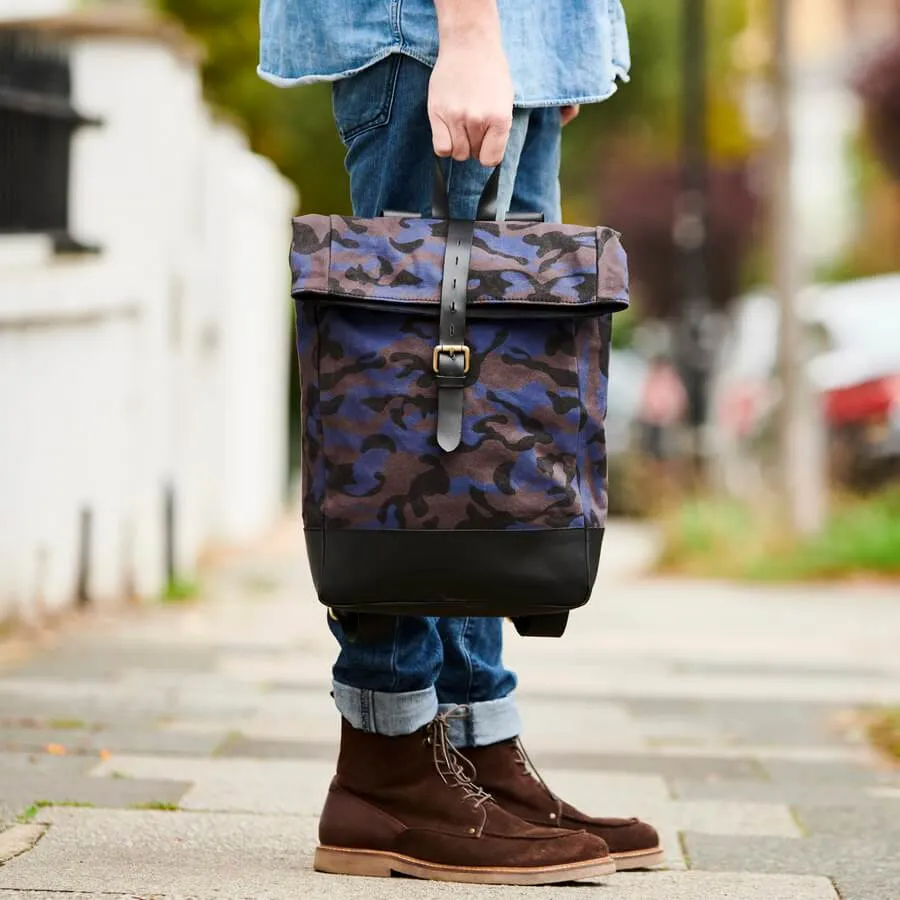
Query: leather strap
{"x": 452, "y": 355}
{"x": 550, "y": 625}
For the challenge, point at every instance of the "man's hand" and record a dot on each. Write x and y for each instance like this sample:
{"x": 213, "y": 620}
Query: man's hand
{"x": 567, "y": 113}
{"x": 470, "y": 97}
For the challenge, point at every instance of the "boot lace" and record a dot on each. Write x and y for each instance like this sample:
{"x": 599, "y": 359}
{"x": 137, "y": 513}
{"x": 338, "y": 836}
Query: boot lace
{"x": 455, "y": 770}
{"x": 530, "y": 769}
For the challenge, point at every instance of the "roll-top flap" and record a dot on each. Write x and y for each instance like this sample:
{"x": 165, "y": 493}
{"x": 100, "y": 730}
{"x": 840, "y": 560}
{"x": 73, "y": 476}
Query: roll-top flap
{"x": 399, "y": 260}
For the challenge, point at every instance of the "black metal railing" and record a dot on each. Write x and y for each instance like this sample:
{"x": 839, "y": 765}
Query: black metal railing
{"x": 37, "y": 121}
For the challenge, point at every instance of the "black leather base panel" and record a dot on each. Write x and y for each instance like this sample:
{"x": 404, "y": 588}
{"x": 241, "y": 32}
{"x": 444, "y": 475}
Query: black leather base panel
{"x": 454, "y": 573}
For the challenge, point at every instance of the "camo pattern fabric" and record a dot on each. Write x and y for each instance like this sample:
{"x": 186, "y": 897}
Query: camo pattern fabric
{"x": 533, "y": 452}
{"x": 400, "y": 260}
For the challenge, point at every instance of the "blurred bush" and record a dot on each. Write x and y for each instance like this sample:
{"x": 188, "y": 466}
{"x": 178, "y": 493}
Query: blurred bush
{"x": 884, "y": 731}
{"x": 642, "y": 201}
{"x": 725, "y": 539}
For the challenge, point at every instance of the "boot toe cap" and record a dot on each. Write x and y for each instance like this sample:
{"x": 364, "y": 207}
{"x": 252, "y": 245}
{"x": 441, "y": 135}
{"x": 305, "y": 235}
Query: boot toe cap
{"x": 626, "y": 835}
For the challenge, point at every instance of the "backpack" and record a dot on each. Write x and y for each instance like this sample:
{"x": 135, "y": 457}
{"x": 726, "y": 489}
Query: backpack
{"x": 453, "y": 382}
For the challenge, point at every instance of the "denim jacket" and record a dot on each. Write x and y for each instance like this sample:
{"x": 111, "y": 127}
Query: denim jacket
{"x": 559, "y": 51}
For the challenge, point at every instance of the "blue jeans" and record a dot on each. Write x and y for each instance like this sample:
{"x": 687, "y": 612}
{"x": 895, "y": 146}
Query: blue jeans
{"x": 399, "y": 684}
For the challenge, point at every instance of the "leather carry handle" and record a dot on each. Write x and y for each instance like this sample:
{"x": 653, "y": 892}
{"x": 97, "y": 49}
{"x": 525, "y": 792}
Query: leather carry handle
{"x": 487, "y": 205}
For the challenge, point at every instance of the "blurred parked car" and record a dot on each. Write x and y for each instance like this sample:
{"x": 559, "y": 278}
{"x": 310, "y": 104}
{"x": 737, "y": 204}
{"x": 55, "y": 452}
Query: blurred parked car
{"x": 854, "y": 329}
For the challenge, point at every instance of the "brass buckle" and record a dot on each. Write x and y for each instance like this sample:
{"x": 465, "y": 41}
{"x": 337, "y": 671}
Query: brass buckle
{"x": 452, "y": 350}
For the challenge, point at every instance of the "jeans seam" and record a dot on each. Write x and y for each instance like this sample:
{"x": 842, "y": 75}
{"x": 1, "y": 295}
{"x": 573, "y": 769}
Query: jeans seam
{"x": 395, "y": 650}
{"x": 470, "y": 672}
{"x": 365, "y": 706}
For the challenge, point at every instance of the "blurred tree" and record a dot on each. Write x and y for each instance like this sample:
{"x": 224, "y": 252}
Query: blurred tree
{"x": 874, "y": 158}
{"x": 293, "y": 127}
{"x": 621, "y": 157}
{"x": 641, "y": 202}
{"x": 878, "y": 84}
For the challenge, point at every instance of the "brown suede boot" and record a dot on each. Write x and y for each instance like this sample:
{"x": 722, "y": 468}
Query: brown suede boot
{"x": 505, "y": 770}
{"x": 407, "y": 805}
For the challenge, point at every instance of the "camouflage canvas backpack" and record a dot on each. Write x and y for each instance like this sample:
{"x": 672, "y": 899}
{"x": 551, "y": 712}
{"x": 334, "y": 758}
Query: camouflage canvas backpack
{"x": 454, "y": 381}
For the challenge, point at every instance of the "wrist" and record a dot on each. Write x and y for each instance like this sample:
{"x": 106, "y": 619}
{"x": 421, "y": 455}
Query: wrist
{"x": 464, "y": 21}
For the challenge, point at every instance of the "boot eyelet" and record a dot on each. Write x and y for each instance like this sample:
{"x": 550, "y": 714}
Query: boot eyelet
{"x": 472, "y": 831}
{"x": 552, "y": 815}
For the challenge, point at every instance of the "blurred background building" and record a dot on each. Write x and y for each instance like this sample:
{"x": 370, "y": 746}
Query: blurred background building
{"x": 143, "y": 313}
{"x": 148, "y": 407}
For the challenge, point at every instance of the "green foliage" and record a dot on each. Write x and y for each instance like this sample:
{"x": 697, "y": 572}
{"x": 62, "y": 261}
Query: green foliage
{"x": 67, "y": 724}
{"x": 873, "y": 250}
{"x": 723, "y": 539}
{"x": 156, "y": 805}
{"x": 38, "y": 805}
{"x": 180, "y": 591}
{"x": 624, "y": 325}
{"x": 884, "y": 731}
{"x": 641, "y": 123}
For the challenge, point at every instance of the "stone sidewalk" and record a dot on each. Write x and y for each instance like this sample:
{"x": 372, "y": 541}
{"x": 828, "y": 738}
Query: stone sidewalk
{"x": 185, "y": 751}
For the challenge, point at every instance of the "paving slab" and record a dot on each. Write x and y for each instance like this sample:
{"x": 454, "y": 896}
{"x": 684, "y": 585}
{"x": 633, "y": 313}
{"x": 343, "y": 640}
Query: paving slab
{"x": 731, "y": 818}
{"x": 799, "y": 793}
{"x": 270, "y": 787}
{"x": 15, "y": 763}
{"x": 885, "y": 793}
{"x": 139, "y": 696}
{"x": 863, "y": 887}
{"x": 79, "y": 741}
{"x": 873, "y": 819}
{"x": 655, "y": 763}
{"x": 873, "y": 858}
{"x": 69, "y": 895}
{"x": 96, "y": 708}
{"x": 549, "y": 726}
{"x": 295, "y": 716}
{"x": 868, "y": 774}
{"x": 238, "y": 745}
{"x": 22, "y": 789}
{"x": 766, "y": 721}
{"x": 829, "y": 753}
{"x": 210, "y": 855}
{"x": 104, "y": 659}
{"x": 166, "y": 852}
{"x": 19, "y": 839}
{"x": 658, "y": 886}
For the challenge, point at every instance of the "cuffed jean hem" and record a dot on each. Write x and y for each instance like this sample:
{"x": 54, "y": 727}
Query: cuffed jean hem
{"x": 485, "y": 723}
{"x": 382, "y": 713}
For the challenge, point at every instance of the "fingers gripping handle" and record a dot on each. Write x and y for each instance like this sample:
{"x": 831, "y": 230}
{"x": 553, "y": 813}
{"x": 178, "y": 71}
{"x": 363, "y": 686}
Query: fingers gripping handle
{"x": 487, "y": 205}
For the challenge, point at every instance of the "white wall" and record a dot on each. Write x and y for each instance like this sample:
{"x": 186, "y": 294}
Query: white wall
{"x": 163, "y": 359}
{"x": 21, "y": 9}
